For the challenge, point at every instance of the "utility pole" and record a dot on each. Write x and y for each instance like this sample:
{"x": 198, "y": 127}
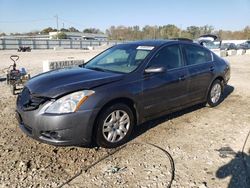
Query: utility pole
{"x": 180, "y": 33}
{"x": 56, "y": 16}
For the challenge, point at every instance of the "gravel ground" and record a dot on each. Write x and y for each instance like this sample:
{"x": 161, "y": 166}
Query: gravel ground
{"x": 204, "y": 142}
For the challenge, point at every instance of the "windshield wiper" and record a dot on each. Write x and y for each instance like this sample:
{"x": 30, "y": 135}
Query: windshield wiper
{"x": 96, "y": 68}
{"x": 82, "y": 65}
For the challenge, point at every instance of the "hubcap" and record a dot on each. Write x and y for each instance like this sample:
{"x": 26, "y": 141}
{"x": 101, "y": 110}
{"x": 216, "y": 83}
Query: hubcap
{"x": 116, "y": 126}
{"x": 215, "y": 93}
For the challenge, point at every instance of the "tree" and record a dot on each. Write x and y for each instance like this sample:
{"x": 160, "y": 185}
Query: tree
{"x": 72, "y": 29}
{"x": 169, "y": 31}
{"x": 32, "y": 33}
{"x": 92, "y": 30}
{"x": 185, "y": 34}
{"x": 149, "y": 32}
{"x": 2, "y": 34}
{"x": 206, "y": 29}
{"x": 156, "y": 32}
{"x": 219, "y": 34}
{"x": 120, "y": 33}
{"x": 15, "y": 34}
{"x": 137, "y": 33}
{"x": 47, "y": 30}
{"x": 194, "y": 31}
{"x": 247, "y": 32}
{"x": 60, "y": 35}
{"x": 64, "y": 30}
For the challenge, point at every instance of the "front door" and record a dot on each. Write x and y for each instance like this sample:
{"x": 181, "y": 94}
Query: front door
{"x": 166, "y": 90}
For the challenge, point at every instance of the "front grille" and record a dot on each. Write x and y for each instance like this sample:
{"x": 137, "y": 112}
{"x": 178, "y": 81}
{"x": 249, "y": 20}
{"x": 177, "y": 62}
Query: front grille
{"x": 29, "y": 102}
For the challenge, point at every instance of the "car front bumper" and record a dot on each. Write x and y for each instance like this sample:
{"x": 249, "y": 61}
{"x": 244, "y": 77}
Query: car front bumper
{"x": 69, "y": 129}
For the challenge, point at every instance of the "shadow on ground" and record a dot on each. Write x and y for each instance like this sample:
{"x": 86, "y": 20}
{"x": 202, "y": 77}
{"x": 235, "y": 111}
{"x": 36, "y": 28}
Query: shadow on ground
{"x": 239, "y": 170}
{"x": 138, "y": 130}
{"x": 227, "y": 91}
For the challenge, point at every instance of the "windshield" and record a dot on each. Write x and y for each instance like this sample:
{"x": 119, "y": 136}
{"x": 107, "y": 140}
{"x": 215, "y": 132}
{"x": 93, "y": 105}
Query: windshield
{"x": 213, "y": 45}
{"x": 122, "y": 58}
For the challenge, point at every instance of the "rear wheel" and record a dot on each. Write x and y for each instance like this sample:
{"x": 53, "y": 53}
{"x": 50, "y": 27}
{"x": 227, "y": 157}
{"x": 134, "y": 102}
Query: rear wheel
{"x": 215, "y": 93}
{"x": 115, "y": 125}
{"x": 13, "y": 89}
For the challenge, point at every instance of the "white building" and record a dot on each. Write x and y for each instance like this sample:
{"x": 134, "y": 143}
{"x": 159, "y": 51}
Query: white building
{"x": 81, "y": 36}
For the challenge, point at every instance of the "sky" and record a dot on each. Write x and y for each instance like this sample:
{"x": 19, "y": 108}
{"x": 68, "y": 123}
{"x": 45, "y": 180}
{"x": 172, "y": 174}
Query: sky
{"x": 33, "y": 15}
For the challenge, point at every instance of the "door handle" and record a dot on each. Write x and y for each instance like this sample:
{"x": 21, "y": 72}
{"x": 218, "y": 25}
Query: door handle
{"x": 181, "y": 78}
{"x": 211, "y": 68}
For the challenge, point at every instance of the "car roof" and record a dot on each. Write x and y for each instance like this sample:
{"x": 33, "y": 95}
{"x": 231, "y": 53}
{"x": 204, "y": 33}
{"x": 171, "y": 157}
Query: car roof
{"x": 151, "y": 42}
{"x": 158, "y": 43}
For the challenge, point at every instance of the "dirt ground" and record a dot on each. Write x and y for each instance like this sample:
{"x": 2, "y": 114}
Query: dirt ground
{"x": 205, "y": 143}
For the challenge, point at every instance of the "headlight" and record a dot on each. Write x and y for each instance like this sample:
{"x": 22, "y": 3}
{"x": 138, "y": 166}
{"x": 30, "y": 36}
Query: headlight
{"x": 69, "y": 103}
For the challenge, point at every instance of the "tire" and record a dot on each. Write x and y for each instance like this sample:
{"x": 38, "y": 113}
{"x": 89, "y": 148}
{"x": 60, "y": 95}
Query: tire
{"x": 13, "y": 89}
{"x": 112, "y": 132}
{"x": 215, "y": 93}
{"x": 8, "y": 79}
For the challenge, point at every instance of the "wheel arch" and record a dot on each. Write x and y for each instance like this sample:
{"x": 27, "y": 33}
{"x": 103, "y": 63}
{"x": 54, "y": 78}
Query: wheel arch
{"x": 220, "y": 78}
{"x": 127, "y": 101}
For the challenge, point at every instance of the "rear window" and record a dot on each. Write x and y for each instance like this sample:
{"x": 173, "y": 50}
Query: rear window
{"x": 197, "y": 55}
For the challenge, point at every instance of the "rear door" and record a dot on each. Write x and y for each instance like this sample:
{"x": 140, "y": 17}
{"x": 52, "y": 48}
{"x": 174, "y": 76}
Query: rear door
{"x": 200, "y": 66}
{"x": 167, "y": 90}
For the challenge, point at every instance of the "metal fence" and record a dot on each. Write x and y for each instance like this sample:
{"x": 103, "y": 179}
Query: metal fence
{"x": 14, "y": 44}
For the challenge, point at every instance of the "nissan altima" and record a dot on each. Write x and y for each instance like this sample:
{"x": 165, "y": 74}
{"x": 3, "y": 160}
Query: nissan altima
{"x": 128, "y": 84}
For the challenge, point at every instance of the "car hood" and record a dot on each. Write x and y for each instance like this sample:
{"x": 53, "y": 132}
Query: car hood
{"x": 62, "y": 81}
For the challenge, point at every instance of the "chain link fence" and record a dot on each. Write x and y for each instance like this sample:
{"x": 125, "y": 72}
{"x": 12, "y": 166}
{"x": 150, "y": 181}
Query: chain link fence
{"x": 14, "y": 44}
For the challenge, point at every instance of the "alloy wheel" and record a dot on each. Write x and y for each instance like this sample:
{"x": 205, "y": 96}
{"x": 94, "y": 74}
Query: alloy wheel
{"x": 215, "y": 93}
{"x": 116, "y": 126}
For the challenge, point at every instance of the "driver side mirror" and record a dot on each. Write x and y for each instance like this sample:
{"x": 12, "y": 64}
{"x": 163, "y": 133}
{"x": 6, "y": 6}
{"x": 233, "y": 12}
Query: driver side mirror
{"x": 155, "y": 70}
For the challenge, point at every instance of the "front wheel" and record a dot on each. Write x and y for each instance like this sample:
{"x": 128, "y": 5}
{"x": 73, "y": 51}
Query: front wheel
{"x": 8, "y": 79}
{"x": 115, "y": 125}
{"x": 215, "y": 93}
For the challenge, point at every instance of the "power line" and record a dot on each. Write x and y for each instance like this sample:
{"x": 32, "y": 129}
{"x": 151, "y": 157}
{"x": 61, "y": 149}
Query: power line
{"x": 41, "y": 20}
{"x": 26, "y": 21}
{"x": 70, "y": 22}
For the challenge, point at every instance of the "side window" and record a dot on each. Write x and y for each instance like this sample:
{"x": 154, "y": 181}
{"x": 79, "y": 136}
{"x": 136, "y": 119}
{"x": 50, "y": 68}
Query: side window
{"x": 168, "y": 57}
{"x": 196, "y": 55}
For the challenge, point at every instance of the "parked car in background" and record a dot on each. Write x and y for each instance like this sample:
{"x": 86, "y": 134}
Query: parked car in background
{"x": 244, "y": 46}
{"x": 126, "y": 85}
{"x": 207, "y": 37}
{"x": 24, "y": 49}
{"x": 228, "y": 46}
{"x": 206, "y": 40}
{"x": 212, "y": 45}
